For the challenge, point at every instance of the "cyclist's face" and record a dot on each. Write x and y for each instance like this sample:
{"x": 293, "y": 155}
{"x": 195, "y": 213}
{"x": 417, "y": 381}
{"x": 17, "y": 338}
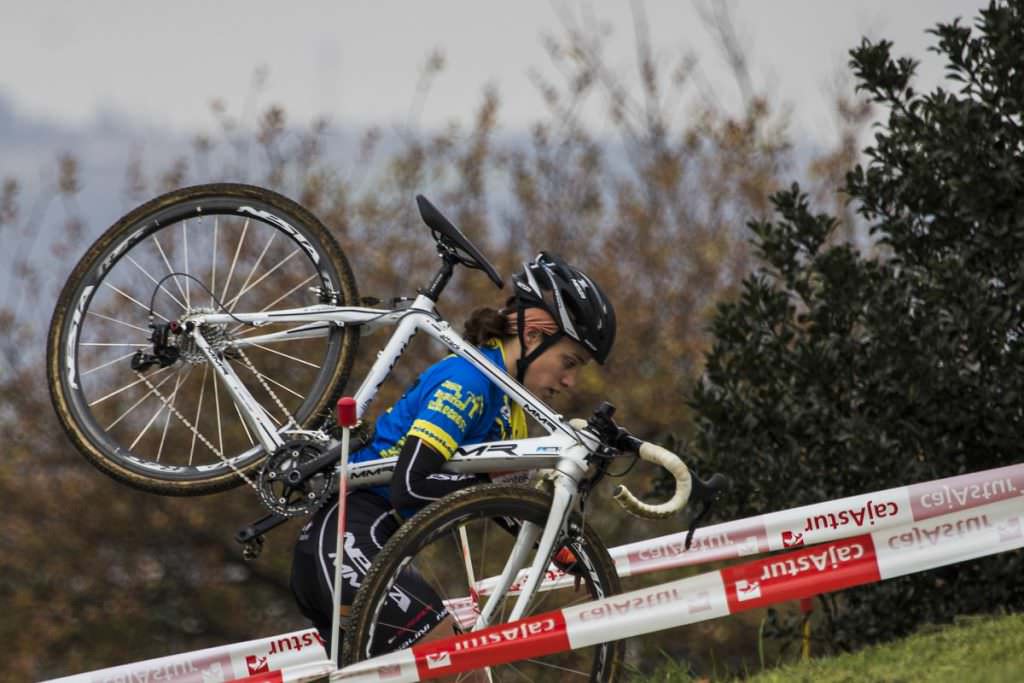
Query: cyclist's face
{"x": 554, "y": 371}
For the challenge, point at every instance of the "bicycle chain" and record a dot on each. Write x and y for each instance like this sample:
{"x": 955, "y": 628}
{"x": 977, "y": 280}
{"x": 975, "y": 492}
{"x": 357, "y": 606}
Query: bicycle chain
{"x": 259, "y": 376}
{"x": 206, "y": 442}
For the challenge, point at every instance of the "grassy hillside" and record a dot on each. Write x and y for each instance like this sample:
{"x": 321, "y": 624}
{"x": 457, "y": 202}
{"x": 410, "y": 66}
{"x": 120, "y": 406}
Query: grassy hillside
{"x": 975, "y": 649}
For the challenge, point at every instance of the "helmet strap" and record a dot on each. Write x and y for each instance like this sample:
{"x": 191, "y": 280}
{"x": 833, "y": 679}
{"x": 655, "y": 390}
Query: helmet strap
{"x": 546, "y": 342}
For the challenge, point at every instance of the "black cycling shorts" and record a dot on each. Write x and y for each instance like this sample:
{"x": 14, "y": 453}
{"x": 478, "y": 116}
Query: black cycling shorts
{"x": 413, "y": 608}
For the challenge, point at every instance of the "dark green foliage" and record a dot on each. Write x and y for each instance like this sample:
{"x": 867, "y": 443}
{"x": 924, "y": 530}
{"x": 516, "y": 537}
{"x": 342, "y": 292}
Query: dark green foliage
{"x": 835, "y": 374}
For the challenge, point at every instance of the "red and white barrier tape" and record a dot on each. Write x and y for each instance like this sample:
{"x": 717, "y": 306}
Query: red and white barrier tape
{"x": 807, "y": 525}
{"x": 810, "y": 524}
{"x": 904, "y": 549}
{"x": 224, "y": 663}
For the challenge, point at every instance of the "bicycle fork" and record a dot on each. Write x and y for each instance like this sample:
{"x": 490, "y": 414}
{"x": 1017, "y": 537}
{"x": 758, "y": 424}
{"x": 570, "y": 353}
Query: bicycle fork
{"x": 564, "y": 492}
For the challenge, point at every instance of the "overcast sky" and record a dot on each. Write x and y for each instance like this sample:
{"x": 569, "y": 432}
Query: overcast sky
{"x": 358, "y": 62}
{"x": 117, "y": 81}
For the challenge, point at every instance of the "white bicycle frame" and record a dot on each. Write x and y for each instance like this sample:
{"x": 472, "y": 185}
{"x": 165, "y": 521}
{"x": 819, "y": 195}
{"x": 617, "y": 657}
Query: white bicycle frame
{"x": 566, "y": 450}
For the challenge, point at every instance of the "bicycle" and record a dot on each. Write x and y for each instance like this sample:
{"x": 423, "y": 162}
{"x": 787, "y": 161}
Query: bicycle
{"x": 105, "y": 391}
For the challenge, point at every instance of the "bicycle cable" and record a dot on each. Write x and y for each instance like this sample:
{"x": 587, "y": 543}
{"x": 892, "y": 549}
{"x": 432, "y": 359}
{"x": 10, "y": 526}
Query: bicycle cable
{"x": 625, "y": 471}
{"x": 199, "y": 282}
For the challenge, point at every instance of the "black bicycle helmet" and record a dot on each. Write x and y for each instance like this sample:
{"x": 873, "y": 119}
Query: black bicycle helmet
{"x": 580, "y": 309}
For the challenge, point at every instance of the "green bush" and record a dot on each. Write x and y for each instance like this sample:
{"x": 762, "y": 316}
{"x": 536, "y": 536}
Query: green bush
{"x": 836, "y": 373}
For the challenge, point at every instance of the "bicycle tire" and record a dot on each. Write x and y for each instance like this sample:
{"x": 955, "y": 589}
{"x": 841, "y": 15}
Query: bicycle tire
{"x": 133, "y": 246}
{"x": 485, "y": 503}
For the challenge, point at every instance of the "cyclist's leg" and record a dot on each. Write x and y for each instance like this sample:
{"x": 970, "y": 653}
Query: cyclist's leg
{"x": 368, "y": 524}
{"x": 412, "y": 609}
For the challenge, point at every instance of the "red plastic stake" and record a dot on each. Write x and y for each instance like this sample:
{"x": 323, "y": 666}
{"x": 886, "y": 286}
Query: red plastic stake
{"x": 347, "y": 411}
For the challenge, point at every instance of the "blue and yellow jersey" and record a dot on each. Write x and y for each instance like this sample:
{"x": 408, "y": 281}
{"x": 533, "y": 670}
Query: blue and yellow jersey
{"x": 450, "y": 405}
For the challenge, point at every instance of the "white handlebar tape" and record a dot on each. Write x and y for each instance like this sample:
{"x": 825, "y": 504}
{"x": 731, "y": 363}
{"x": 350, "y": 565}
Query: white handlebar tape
{"x": 676, "y": 467}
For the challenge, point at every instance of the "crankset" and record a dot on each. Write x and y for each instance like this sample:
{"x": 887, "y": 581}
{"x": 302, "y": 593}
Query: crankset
{"x": 286, "y": 489}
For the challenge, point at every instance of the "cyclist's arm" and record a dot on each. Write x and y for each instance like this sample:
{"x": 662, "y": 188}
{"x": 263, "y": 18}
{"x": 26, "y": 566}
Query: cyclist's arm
{"x": 418, "y": 479}
{"x": 451, "y": 409}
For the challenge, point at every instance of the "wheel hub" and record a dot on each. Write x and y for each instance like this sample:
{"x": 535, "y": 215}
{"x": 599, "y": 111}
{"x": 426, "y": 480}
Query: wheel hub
{"x": 216, "y": 336}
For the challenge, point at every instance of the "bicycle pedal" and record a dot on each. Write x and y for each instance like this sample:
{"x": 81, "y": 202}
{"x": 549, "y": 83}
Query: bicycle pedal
{"x": 251, "y": 549}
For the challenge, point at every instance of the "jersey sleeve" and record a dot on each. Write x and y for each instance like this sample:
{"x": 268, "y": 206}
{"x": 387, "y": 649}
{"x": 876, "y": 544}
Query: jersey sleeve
{"x": 452, "y": 408}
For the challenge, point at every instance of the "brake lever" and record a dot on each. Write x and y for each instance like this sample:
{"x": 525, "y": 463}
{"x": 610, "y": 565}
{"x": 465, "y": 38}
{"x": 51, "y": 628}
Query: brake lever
{"x": 707, "y": 492}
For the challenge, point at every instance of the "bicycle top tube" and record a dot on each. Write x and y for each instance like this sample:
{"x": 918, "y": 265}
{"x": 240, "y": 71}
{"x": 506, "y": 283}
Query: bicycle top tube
{"x": 544, "y": 452}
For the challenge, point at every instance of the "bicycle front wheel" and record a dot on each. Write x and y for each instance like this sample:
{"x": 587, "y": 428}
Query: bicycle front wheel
{"x": 434, "y": 558}
{"x": 172, "y": 428}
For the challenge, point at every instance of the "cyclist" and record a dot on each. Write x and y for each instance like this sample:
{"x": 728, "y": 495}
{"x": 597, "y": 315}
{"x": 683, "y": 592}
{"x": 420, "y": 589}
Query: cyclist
{"x": 557, "y": 320}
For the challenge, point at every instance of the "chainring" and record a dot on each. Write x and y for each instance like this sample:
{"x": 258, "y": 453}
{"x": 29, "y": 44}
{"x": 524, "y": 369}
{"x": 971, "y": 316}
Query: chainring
{"x": 292, "y": 500}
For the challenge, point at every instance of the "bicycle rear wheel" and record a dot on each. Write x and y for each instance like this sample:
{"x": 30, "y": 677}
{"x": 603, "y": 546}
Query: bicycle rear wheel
{"x": 174, "y": 429}
{"x": 430, "y": 547}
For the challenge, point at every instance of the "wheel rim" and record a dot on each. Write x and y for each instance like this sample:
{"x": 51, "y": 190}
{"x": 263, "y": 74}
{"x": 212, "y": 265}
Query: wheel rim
{"x": 437, "y": 561}
{"x": 178, "y": 423}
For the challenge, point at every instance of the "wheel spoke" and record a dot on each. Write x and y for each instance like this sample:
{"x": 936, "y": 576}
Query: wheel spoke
{"x": 137, "y": 345}
{"x": 438, "y": 585}
{"x": 199, "y": 410}
{"x": 184, "y": 232}
{"x": 462, "y": 545}
{"x": 108, "y": 363}
{"x": 535, "y": 607}
{"x": 549, "y": 665}
{"x": 159, "y": 410}
{"x": 170, "y": 270}
{"x": 279, "y": 353}
{"x": 155, "y": 281}
{"x": 234, "y": 260}
{"x": 126, "y": 386}
{"x": 252, "y": 271}
{"x": 245, "y": 425}
{"x": 516, "y": 669}
{"x": 167, "y": 420}
{"x": 277, "y": 300}
{"x": 234, "y": 301}
{"x": 419, "y": 600}
{"x": 136, "y": 404}
{"x": 213, "y": 268}
{"x": 483, "y": 551}
{"x": 277, "y": 384}
{"x": 396, "y": 627}
{"x": 120, "y": 322}
{"x": 135, "y": 301}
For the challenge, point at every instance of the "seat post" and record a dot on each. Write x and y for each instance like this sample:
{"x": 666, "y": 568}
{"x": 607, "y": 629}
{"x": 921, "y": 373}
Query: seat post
{"x": 440, "y": 281}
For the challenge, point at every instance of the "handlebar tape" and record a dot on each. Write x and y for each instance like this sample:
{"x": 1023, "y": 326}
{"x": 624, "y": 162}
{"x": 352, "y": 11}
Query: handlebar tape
{"x": 677, "y": 468}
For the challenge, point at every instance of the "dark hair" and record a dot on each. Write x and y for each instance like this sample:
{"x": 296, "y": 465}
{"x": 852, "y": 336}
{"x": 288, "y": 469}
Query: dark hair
{"x": 483, "y": 325}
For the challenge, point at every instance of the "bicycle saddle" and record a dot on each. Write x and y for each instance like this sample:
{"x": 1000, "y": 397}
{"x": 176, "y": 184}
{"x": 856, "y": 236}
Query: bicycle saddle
{"x": 452, "y": 239}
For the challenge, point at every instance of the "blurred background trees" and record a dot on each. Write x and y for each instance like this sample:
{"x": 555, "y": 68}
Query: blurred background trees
{"x": 808, "y": 385}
